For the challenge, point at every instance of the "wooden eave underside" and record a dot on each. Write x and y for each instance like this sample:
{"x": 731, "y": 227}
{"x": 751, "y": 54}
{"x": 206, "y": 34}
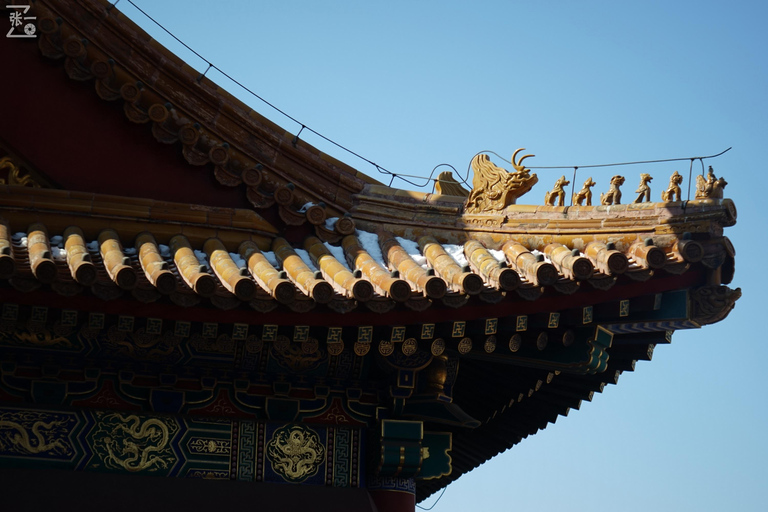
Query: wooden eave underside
{"x": 218, "y": 131}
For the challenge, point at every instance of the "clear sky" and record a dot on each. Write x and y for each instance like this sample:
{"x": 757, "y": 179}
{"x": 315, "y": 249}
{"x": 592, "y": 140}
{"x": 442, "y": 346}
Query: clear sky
{"x": 410, "y": 85}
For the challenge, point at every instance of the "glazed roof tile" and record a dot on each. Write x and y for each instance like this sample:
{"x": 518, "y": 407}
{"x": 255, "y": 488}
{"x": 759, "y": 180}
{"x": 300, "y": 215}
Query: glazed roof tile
{"x": 170, "y": 249}
{"x": 383, "y": 250}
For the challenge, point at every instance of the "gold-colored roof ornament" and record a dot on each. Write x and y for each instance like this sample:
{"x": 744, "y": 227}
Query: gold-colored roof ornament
{"x": 494, "y": 188}
{"x": 711, "y": 187}
{"x": 644, "y": 189}
{"x": 557, "y": 194}
{"x": 447, "y": 185}
{"x": 673, "y": 191}
{"x": 613, "y": 196}
{"x": 585, "y": 193}
{"x": 13, "y": 174}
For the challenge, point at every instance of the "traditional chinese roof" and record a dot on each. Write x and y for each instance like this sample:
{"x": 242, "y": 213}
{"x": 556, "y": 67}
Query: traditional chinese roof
{"x": 189, "y": 255}
{"x": 514, "y": 314}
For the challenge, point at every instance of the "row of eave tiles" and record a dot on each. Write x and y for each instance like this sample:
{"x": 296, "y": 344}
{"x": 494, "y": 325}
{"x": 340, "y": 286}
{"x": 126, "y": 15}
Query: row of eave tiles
{"x": 378, "y": 270}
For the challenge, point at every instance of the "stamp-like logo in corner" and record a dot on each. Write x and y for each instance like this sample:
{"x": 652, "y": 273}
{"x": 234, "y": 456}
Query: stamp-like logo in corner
{"x": 21, "y": 24}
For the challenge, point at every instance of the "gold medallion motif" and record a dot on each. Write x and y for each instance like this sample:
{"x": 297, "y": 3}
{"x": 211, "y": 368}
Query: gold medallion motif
{"x": 134, "y": 443}
{"x": 295, "y": 452}
{"x": 410, "y": 346}
{"x": 361, "y": 348}
{"x": 281, "y": 343}
{"x": 465, "y": 345}
{"x": 438, "y": 347}
{"x": 253, "y": 345}
{"x": 336, "y": 348}
{"x": 386, "y": 348}
{"x": 309, "y": 346}
{"x": 490, "y": 344}
{"x": 515, "y": 342}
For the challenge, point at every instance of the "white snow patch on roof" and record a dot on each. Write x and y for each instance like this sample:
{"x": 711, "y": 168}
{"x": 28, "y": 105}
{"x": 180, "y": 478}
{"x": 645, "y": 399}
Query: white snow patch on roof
{"x": 370, "y": 242}
{"x": 272, "y": 259}
{"x": 21, "y": 238}
{"x": 57, "y": 253}
{"x": 57, "y": 240}
{"x": 129, "y": 251}
{"x": 165, "y": 251}
{"x": 412, "y": 248}
{"x": 536, "y": 253}
{"x": 338, "y": 253}
{"x": 93, "y": 246}
{"x": 306, "y": 207}
{"x": 499, "y": 255}
{"x": 239, "y": 261}
{"x": 329, "y": 223}
{"x": 457, "y": 253}
{"x": 202, "y": 258}
{"x": 304, "y": 255}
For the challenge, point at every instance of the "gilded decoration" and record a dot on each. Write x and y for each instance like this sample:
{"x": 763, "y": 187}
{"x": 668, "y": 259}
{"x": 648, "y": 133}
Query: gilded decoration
{"x": 557, "y": 194}
{"x": 294, "y": 358}
{"x": 13, "y": 175}
{"x": 416, "y": 360}
{"x": 208, "y": 474}
{"x": 613, "y": 196}
{"x": 493, "y": 188}
{"x": 295, "y": 453}
{"x": 585, "y": 194}
{"x": 673, "y": 191}
{"x": 221, "y": 344}
{"x": 336, "y": 348}
{"x": 465, "y": 346}
{"x": 447, "y": 185}
{"x": 438, "y": 347}
{"x": 515, "y": 342}
{"x": 38, "y": 335}
{"x": 710, "y": 187}
{"x": 34, "y": 433}
{"x": 361, "y": 348}
{"x": 209, "y": 446}
{"x": 138, "y": 344}
{"x": 644, "y": 189}
{"x": 134, "y": 443}
{"x": 386, "y": 348}
{"x": 410, "y": 346}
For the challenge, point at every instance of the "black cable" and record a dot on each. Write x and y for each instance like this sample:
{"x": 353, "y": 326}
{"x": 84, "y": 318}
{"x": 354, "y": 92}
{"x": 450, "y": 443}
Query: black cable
{"x": 303, "y": 127}
{"x": 690, "y": 175}
{"x": 436, "y": 501}
{"x": 631, "y": 163}
{"x": 380, "y": 169}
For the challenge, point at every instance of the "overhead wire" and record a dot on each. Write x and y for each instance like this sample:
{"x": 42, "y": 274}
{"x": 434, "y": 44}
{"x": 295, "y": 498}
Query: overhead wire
{"x": 380, "y": 169}
{"x": 255, "y": 95}
{"x": 633, "y": 163}
{"x": 436, "y": 501}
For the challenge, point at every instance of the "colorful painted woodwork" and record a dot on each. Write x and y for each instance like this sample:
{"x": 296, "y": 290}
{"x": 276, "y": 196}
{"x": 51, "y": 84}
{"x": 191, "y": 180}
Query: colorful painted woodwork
{"x": 298, "y": 322}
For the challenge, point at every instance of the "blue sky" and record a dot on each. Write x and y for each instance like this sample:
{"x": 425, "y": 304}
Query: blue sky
{"x": 410, "y": 85}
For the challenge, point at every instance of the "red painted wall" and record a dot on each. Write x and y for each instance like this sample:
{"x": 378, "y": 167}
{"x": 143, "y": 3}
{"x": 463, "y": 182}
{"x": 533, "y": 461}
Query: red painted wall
{"x": 82, "y": 142}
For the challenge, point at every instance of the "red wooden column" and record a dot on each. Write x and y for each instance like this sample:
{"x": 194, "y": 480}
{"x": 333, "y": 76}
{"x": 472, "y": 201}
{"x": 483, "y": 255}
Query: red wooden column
{"x": 393, "y": 500}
